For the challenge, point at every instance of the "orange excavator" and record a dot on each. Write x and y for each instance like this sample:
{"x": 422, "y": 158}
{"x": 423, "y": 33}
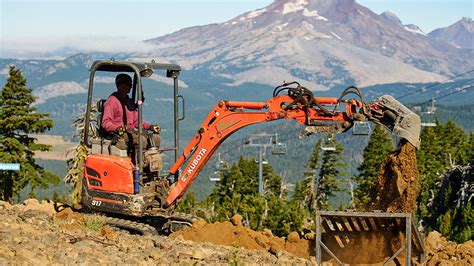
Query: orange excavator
{"x": 134, "y": 193}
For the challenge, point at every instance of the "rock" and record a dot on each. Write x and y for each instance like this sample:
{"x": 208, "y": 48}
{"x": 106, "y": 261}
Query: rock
{"x": 28, "y": 215}
{"x": 200, "y": 254}
{"x": 156, "y": 254}
{"x": 261, "y": 242}
{"x": 236, "y": 220}
{"x": 31, "y": 202}
{"x": 293, "y": 237}
{"x": 5, "y": 205}
{"x": 267, "y": 232}
{"x": 273, "y": 250}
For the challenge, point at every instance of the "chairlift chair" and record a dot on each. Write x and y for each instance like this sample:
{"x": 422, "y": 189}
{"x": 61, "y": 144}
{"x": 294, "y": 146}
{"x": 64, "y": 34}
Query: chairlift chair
{"x": 221, "y": 165}
{"x": 329, "y": 144}
{"x": 361, "y": 128}
{"x": 216, "y": 177}
{"x": 279, "y": 149}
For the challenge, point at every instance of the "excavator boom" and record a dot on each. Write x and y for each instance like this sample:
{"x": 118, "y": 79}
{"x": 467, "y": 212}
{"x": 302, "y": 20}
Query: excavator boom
{"x": 299, "y": 104}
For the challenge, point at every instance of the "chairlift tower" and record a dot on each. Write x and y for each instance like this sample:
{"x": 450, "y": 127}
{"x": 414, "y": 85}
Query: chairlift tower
{"x": 263, "y": 141}
{"x": 428, "y": 118}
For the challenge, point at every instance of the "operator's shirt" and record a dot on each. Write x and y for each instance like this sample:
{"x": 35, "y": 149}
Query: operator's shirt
{"x": 113, "y": 117}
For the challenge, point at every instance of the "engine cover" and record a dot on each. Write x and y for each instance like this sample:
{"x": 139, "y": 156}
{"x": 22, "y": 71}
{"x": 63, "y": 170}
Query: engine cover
{"x": 109, "y": 173}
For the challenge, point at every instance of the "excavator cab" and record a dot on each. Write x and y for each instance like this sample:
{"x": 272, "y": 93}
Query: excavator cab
{"x": 113, "y": 181}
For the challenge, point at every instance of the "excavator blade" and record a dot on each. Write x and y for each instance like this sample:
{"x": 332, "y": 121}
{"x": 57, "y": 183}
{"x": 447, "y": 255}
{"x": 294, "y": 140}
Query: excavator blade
{"x": 395, "y": 116}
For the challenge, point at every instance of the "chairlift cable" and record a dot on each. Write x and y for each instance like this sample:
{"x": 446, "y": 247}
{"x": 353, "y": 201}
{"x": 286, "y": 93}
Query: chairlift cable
{"x": 434, "y": 85}
{"x": 449, "y": 94}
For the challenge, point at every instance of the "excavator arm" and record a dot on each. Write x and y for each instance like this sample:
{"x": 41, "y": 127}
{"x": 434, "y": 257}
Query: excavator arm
{"x": 299, "y": 104}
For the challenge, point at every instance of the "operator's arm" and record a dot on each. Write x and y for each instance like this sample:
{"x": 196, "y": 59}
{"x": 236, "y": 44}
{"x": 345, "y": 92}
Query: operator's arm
{"x": 111, "y": 107}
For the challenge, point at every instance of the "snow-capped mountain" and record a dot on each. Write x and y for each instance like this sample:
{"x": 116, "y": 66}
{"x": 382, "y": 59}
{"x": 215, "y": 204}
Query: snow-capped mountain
{"x": 460, "y": 34}
{"x": 326, "y": 42}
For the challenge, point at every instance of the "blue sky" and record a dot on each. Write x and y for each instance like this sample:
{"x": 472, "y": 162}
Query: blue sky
{"x": 49, "y": 23}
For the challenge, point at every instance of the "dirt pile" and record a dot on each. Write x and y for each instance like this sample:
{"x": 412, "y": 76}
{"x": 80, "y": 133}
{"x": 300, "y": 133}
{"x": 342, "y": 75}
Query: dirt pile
{"x": 31, "y": 233}
{"x": 440, "y": 251}
{"x": 398, "y": 184}
{"x": 236, "y": 235}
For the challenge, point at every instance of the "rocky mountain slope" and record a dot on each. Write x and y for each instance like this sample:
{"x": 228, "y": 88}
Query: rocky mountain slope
{"x": 327, "y": 42}
{"x": 460, "y": 34}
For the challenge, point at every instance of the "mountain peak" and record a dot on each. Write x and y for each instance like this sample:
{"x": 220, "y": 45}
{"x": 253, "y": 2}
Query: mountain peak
{"x": 459, "y": 34}
{"x": 392, "y": 18}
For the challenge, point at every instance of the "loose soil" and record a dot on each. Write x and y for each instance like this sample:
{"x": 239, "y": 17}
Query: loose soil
{"x": 398, "y": 184}
{"x": 228, "y": 234}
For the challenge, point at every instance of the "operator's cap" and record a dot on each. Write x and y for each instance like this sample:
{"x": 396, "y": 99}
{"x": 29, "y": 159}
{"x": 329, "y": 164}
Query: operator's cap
{"x": 123, "y": 79}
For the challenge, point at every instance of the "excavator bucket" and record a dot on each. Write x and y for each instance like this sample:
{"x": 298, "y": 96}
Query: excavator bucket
{"x": 395, "y": 116}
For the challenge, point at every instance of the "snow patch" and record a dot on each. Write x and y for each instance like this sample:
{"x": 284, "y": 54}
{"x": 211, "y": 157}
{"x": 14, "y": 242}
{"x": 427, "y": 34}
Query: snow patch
{"x": 337, "y": 36}
{"x": 57, "y": 89}
{"x": 414, "y": 30}
{"x": 291, "y": 7}
{"x": 314, "y": 14}
{"x": 256, "y": 13}
{"x": 235, "y": 22}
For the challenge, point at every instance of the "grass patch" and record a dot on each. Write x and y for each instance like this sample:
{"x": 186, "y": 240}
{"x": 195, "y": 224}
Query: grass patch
{"x": 94, "y": 223}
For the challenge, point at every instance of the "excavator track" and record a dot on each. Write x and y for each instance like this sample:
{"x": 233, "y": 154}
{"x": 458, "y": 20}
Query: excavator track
{"x": 131, "y": 226}
{"x": 152, "y": 225}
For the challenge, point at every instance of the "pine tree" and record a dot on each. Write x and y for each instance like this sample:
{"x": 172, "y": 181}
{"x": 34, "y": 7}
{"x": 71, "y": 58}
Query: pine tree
{"x": 380, "y": 145}
{"x": 237, "y": 193}
{"x": 18, "y": 118}
{"x": 330, "y": 176}
{"x": 445, "y": 164}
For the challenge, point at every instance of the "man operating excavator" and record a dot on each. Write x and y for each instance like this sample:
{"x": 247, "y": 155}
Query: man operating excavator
{"x": 120, "y": 118}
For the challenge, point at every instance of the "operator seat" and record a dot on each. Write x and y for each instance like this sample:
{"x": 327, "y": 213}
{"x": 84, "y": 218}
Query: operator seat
{"x": 102, "y": 143}
{"x": 100, "y": 114}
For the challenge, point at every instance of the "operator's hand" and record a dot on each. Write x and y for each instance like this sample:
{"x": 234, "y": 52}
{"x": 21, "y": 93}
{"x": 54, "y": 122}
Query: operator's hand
{"x": 155, "y": 129}
{"x": 120, "y": 131}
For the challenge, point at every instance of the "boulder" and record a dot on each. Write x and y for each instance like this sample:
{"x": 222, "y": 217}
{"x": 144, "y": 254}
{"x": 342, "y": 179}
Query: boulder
{"x": 236, "y": 220}
{"x": 293, "y": 237}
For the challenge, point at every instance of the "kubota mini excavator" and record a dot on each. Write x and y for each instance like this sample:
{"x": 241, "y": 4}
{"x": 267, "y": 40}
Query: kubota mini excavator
{"x": 114, "y": 185}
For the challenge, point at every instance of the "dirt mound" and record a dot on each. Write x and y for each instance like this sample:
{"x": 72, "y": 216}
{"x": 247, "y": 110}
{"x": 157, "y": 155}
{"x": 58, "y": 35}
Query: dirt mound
{"x": 398, "y": 184}
{"x": 225, "y": 233}
{"x": 440, "y": 251}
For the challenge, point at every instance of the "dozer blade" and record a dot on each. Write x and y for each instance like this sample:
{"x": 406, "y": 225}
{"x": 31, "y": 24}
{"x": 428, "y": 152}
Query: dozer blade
{"x": 395, "y": 116}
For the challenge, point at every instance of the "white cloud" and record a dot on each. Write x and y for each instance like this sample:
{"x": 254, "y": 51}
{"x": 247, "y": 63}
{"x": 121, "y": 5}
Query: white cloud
{"x": 64, "y": 46}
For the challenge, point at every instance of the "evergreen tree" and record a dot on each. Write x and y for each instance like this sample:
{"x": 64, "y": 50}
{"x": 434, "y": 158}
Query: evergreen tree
{"x": 18, "y": 118}
{"x": 330, "y": 176}
{"x": 303, "y": 203}
{"x": 237, "y": 193}
{"x": 379, "y": 147}
{"x": 445, "y": 165}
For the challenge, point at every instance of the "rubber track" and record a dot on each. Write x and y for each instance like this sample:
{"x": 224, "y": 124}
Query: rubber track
{"x": 142, "y": 228}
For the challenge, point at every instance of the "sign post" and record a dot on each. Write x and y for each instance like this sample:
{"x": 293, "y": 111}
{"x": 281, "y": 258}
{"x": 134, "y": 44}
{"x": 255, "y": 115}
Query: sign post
{"x": 10, "y": 166}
